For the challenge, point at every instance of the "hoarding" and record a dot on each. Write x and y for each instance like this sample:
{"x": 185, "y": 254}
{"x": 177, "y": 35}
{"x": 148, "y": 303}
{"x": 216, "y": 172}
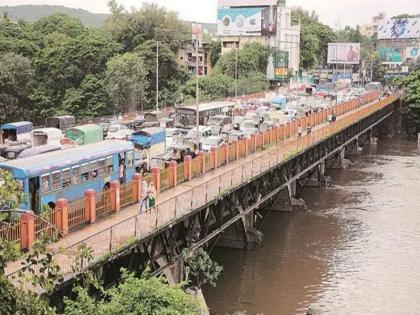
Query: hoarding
{"x": 246, "y": 3}
{"x": 389, "y": 56}
{"x": 399, "y": 29}
{"x": 255, "y": 21}
{"x": 197, "y": 32}
{"x": 412, "y": 53}
{"x": 344, "y": 53}
{"x": 278, "y": 65}
{"x": 269, "y": 21}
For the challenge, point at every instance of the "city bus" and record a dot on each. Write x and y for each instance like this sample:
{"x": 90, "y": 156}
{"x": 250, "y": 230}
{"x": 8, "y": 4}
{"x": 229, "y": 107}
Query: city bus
{"x": 69, "y": 173}
{"x": 186, "y": 116}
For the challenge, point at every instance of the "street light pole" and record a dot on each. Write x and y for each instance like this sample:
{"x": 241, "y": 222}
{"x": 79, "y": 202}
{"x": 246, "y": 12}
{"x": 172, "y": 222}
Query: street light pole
{"x": 157, "y": 76}
{"x": 197, "y": 99}
{"x": 236, "y": 68}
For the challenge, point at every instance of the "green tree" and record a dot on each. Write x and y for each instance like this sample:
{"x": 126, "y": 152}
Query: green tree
{"x": 314, "y": 40}
{"x": 65, "y": 66}
{"x": 215, "y": 51}
{"x": 150, "y": 22}
{"x": 17, "y": 38}
{"x": 411, "y": 101}
{"x": 136, "y": 296}
{"x": 16, "y": 84}
{"x": 200, "y": 268}
{"x": 171, "y": 75}
{"x": 252, "y": 57}
{"x": 59, "y": 23}
{"x": 89, "y": 100}
{"x": 126, "y": 81}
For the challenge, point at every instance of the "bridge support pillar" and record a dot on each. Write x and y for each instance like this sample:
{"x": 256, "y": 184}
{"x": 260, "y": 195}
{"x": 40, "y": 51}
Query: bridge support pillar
{"x": 243, "y": 234}
{"x": 295, "y": 203}
{"x": 319, "y": 179}
{"x": 341, "y": 162}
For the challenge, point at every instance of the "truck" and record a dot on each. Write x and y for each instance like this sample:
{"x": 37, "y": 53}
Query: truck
{"x": 148, "y": 142}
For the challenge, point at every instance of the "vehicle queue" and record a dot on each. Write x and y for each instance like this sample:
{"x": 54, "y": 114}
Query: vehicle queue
{"x": 63, "y": 160}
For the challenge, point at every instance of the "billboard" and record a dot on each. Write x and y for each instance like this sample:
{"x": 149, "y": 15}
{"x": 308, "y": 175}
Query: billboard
{"x": 255, "y": 21}
{"x": 399, "y": 29}
{"x": 412, "y": 53}
{"x": 389, "y": 56}
{"x": 197, "y": 32}
{"x": 246, "y": 3}
{"x": 278, "y": 65}
{"x": 344, "y": 53}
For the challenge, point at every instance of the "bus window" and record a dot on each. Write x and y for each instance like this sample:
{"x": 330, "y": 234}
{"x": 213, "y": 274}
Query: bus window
{"x": 76, "y": 175}
{"x": 66, "y": 178}
{"x": 84, "y": 172}
{"x": 109, "y": 165}
{"x": 56, "y": 177}
{"x": 45, "y": 180}
{"x": 102, "y": 167}
{"x": 94, "y": 170}
{"x": 129, "y": 159}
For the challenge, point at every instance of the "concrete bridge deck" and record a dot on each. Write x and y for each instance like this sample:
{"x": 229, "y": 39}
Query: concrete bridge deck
{"x": 109, "y": 236}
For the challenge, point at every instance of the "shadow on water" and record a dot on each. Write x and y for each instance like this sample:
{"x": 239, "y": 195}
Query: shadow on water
{"x": 353, "y": 252}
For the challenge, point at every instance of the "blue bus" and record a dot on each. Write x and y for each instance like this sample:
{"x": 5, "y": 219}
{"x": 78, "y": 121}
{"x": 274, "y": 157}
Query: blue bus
{"x": 69, "y": 173}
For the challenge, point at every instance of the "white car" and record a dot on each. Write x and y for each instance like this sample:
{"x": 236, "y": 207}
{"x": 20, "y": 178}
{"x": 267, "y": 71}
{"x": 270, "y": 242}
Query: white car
{"x": 204, "y": 132}
{"x": 173, "y": 135}
{"x": 212, "y": 142}
{"x": 118, "y": 132}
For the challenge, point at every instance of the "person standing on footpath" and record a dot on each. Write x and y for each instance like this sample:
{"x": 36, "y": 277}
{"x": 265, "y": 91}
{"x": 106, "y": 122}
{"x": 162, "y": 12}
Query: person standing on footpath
{"x": 300, "y": 131}
{"x": 144, "y": 196}
{"x": 152, "y": 193}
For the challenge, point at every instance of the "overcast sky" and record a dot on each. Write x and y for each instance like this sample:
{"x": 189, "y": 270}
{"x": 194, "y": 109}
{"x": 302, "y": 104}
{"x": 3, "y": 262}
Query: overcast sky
{"x": 338, "y": 12}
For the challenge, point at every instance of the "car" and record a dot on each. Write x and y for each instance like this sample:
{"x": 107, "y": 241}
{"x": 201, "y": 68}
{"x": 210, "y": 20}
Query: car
{"x": 212, "y": 142}
{"x": 118, "y": 132}
{"x": 249, "y": 127}
{"x": 174, "y": 135}
{"x": 204, "y": 131}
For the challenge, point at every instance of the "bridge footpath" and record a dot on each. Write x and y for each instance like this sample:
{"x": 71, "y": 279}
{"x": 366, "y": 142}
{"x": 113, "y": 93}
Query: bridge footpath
{"x": 116, "y": 232}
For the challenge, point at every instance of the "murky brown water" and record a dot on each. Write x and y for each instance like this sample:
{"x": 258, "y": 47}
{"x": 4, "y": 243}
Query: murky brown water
{"x": 356, "y": 251}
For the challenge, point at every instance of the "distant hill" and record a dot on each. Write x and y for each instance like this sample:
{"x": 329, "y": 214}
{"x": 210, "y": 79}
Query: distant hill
{"x": 32, "y": 13}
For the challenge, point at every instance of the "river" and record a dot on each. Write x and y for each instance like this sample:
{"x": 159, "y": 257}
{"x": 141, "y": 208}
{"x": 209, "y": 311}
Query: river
{"x": 355, "y": 251}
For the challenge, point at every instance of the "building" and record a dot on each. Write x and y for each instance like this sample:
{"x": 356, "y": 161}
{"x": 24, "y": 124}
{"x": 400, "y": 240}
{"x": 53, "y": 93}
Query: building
{"x": 370, "y": 29}
{"x": 187, "y": 56}
{"x": 268, "y": 22}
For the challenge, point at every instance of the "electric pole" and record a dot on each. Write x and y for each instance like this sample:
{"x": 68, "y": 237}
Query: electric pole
{"x": 157, "y": 76}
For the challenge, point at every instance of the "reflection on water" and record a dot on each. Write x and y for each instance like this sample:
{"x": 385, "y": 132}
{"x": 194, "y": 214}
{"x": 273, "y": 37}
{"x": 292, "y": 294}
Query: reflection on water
{"x": 354, "y": 252}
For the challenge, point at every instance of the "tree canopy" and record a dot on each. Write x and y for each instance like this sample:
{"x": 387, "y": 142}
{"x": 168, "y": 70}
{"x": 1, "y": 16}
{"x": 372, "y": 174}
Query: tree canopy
{"x": 314, "y": 40}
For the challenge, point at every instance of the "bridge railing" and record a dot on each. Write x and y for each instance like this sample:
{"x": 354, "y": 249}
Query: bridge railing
{"x": 110, "y": 240}
{"x": 150, "y": 221}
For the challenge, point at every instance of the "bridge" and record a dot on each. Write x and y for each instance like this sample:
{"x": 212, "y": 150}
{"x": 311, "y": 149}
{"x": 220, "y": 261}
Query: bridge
{"x": 224, "y": 196}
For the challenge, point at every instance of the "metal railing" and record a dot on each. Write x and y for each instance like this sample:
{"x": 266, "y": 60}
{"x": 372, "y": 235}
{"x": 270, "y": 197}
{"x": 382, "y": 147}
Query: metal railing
{"x": 11, "y": 232}
{"x": 76, "y": 214}
{"x": 127, "y": 194}
{"x": 151, "y": 220}
{"x": 103, "y": 204}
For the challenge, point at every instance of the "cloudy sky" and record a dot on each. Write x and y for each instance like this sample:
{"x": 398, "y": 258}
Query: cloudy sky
{"x": 353, "y": 12}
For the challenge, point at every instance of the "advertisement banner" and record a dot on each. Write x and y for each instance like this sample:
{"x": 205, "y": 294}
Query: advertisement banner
{"x": 269, "y": 21}
{"x": 344, "y": 53}
{"x": 389, "y": 56}
{"x": 239, "y": 21}
{"x": 412, "y": 53}
{"x": 278, "y": 65}
{"x": 246, "y": 3}
{"x": 197, "y": 32}
{"x": 399, "y": 29}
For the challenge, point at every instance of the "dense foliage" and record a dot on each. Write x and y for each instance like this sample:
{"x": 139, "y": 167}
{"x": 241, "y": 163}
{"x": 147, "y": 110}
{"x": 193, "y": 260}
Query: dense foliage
{"x": 411, "y": 101}
{"x": 57, "y": 65}
{"x": 251, "y": 69}
{"x": 314, "y": 40}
